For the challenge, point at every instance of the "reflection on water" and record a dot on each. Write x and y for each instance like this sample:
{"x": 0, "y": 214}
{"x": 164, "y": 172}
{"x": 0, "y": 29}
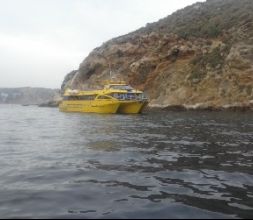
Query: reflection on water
{"x": 160, "y": 165}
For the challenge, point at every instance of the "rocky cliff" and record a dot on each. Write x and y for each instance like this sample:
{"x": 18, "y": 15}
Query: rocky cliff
{"x": 27, "y": 96}
{"x": 200, "y": 56}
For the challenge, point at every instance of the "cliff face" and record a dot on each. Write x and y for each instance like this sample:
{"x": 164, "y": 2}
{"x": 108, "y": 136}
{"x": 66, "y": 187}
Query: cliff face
{"x": 199, "y": 56}
{"x": 27, "y": 96}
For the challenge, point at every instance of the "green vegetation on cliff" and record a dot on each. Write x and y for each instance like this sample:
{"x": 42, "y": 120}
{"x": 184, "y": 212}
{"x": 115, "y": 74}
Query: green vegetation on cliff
{"x": 206, "y": 20}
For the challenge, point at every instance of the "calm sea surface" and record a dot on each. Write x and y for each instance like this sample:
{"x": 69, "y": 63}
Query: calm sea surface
{"x": 159, "y": 165}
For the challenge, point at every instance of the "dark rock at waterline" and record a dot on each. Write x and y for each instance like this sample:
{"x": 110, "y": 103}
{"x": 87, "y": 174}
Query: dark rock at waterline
{"x": 50, "y": 104}
{"x": 182, "y": 108}
{"x": 178, "y": 108}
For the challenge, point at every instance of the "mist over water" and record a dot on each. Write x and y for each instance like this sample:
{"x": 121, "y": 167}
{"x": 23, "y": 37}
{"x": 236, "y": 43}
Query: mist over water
{"x": 156, "y": 165}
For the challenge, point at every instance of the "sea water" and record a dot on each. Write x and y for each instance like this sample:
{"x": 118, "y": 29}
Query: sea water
{"x": 155, "y": 165}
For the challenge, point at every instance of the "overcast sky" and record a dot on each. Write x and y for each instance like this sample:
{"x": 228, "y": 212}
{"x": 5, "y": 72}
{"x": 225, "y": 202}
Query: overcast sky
{"x": 42, "y": 40}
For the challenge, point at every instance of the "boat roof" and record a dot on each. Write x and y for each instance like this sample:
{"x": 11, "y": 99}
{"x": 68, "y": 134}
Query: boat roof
{"x": 107, "y": 90}
{"x": 80, "y": 93}
{"x": 99, "y": 92}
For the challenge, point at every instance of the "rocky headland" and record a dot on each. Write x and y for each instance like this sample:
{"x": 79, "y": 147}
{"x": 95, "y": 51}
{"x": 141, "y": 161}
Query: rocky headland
{"x": 200, "y": 57}
{"x": 29, "y": 96}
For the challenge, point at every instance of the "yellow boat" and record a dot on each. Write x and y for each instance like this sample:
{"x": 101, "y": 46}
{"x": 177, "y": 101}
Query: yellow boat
{"x": 116, "y": 97}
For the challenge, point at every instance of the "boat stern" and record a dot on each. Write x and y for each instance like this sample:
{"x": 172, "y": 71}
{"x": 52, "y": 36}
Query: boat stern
{"x": 132, "y": 107}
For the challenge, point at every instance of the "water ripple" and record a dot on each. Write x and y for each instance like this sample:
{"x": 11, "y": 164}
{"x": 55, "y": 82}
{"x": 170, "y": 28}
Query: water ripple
{"x": 160, "y": 165}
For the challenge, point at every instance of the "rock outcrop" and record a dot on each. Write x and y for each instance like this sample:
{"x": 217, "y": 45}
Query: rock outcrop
{"x": 198, "y": 57}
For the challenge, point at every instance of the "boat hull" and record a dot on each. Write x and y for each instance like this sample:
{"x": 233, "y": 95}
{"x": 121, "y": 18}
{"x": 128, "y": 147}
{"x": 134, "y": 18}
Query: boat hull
{"x": 105, "y": 107}
{"x": 131, "y": 107}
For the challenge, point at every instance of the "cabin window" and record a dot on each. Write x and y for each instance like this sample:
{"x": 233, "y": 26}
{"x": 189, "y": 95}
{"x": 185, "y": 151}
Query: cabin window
{"x": 116, "y": 96}
{"x": 120, "y": 96}
{"x": 129, "y": 96}
{"x": 71, "y": 98}
{"x": 87, "y": 97}
{"x": 128, "y": 88}
{"x": 79, "y": 98}
{"x": 104, "y": 97}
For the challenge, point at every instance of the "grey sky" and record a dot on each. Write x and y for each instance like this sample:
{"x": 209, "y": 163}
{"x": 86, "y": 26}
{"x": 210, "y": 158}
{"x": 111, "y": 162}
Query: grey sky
{"x": 42, "y": 40}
